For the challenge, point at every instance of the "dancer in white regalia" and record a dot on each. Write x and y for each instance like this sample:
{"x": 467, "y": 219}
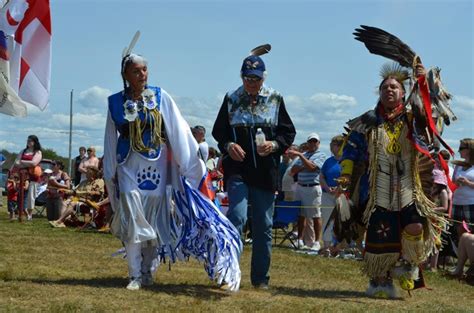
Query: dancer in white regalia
{"x": 152, "y": 171}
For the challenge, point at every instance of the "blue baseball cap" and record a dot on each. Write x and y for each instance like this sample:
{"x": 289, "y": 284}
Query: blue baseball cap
{"x": 253, "y": 65}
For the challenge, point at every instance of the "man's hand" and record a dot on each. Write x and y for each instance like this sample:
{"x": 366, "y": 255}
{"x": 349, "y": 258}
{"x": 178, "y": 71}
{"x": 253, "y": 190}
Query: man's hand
{"x": 236, "y": 152}
{"x": 332, "y": 190}
{"x": 265, "y": 149}
{"x": 293, "y": 153}
{"x": 463, "y": 181}
{"x": 420, "y": 70}
{"x": 344, "y": 181}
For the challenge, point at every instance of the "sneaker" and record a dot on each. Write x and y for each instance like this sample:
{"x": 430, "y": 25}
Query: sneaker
{"x": 29, "y": 218}
{"x": 147, "y": 279}
{"x": 134, "y": 284}
{"x": 248, "y": 241}
{"x": 300, "y": 243}
{"x": 316, "y": 246}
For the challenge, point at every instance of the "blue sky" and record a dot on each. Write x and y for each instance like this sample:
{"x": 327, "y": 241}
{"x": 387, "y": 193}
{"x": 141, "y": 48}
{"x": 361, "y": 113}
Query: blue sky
{"x": 195, "y": 50}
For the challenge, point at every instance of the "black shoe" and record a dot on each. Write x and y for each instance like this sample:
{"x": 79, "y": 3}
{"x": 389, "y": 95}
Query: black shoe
{"x": 261, "y": 286}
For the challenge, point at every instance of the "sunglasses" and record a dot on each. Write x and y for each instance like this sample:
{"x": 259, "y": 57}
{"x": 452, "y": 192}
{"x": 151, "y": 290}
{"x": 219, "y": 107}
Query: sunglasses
{"x": 252, "y": 78}
{"x": 462, "y": 148}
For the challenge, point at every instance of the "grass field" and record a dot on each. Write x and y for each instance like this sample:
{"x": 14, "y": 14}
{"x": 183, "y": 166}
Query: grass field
{"x": 63, "y": 270}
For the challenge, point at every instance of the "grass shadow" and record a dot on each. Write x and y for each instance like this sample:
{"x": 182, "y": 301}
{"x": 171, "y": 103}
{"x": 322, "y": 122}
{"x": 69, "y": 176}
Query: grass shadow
{"x": 201, "y": 291}
{"x": 343, "y": 295}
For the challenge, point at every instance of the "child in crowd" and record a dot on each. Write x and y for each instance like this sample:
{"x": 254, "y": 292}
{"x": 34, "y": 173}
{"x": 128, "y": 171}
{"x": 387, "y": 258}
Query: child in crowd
{"x": 12, "y": 195}
{"x": 441, "y": 196}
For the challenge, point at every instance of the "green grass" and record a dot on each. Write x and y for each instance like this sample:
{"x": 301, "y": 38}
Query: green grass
{"x": 63, "y": 270}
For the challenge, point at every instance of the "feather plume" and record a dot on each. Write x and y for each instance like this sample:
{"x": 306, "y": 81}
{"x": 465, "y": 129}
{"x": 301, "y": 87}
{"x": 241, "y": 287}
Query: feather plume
{"x": 440, "y": 97}
{"x": 394, "y": 70}
{"x": 128, "y": 50}
{"x": 385, "y": 44}
{"x": 260, "y": 50}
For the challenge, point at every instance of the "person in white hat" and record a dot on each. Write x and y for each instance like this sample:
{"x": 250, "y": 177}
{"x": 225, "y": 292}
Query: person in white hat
{"x": 308, "y": 190}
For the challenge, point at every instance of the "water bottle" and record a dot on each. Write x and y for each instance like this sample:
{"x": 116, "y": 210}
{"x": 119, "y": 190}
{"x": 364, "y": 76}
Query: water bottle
{"x": 259, "y": 137}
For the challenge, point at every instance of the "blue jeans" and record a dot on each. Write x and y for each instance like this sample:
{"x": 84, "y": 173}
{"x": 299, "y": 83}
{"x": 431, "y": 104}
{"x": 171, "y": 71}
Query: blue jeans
{"x": 261, "y": 201}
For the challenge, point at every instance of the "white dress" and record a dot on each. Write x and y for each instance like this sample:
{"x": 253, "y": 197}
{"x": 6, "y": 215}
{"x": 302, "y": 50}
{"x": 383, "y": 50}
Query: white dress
{"x": 157, "y": 199}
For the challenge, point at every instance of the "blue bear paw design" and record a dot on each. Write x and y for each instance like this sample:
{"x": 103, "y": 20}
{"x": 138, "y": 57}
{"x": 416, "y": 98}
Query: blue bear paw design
{"x": 148, "y": 178}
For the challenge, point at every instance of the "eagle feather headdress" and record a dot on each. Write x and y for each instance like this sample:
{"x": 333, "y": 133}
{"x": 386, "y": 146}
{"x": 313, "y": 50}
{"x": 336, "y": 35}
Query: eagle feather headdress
{"x": 387, "y": 45}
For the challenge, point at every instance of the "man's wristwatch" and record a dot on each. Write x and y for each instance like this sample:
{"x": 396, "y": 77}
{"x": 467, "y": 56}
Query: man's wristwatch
{"x": 275, "y": 145}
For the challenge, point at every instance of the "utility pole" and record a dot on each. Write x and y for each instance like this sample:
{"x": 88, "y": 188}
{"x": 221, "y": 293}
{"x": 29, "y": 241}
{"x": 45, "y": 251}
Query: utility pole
{"x": 70, "y": 134}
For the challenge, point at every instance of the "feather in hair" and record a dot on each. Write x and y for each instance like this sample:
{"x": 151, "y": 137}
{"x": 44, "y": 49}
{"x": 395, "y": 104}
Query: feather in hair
{"x": 260, "y": 50}
{"x": 128, "y": 50}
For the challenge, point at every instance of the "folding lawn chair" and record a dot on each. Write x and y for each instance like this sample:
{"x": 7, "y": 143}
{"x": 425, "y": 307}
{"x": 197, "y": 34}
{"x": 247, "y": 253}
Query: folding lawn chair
{"x": 286, "y": 213}
{"x": 40, "y": 203}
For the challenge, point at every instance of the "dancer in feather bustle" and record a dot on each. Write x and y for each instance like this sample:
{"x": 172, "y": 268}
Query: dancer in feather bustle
{"x": 384, "y": 161}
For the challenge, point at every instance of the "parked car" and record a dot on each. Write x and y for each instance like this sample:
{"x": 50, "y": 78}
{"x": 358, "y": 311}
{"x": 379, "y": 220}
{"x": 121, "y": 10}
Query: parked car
{"x": 46, "y": 164}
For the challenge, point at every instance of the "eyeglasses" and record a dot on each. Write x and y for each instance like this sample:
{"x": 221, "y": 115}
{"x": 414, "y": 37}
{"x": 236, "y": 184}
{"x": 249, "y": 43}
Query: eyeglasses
{"x": 252, "y": 78}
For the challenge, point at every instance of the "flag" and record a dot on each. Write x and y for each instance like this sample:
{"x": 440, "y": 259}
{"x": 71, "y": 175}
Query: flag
{"x": 25, "y": 55}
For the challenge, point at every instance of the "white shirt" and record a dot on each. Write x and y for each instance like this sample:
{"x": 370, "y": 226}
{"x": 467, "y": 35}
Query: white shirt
{"x": 204, "y": 151}
{"x": 463, "y": 195}
{"x": 287, "y": 182}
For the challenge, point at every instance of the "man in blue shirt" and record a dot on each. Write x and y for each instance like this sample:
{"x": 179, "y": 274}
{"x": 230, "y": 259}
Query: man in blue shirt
{"x": 308, "y": 189}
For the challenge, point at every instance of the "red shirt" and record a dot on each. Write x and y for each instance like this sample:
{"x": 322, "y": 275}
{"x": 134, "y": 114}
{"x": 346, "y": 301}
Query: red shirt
{"x": 12, "y": 192}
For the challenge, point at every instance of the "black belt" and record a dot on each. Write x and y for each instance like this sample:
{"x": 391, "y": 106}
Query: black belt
{"x": 308, "y": 185}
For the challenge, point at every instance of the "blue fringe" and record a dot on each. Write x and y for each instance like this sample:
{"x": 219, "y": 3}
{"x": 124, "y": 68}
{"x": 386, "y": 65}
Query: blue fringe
{"x": 204, "y": 233}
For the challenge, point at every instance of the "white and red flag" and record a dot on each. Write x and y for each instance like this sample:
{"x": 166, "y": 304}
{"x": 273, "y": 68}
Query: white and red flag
{"x": 25, "y": 55}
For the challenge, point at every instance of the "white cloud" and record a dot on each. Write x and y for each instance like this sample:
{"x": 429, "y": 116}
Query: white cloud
{"x": 80, "y": 120}
{"x": 293, "y": 100}
{"x": 324, "y": 113}
{"x": 332, "y": 100}
{"x": 464, "y": 102}
{"x": 200, "y": 111}
{"x": 94, "y": 98}
{"x": 7, "y": 145}
{"x": 463, "y": 108}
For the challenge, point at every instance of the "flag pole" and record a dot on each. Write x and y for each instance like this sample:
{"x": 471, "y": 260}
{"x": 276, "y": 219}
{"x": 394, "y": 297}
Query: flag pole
{"x": 70, "y": 133}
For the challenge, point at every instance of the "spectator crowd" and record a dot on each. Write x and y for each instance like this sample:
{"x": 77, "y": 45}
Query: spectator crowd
{"x": 305, "y": 174}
